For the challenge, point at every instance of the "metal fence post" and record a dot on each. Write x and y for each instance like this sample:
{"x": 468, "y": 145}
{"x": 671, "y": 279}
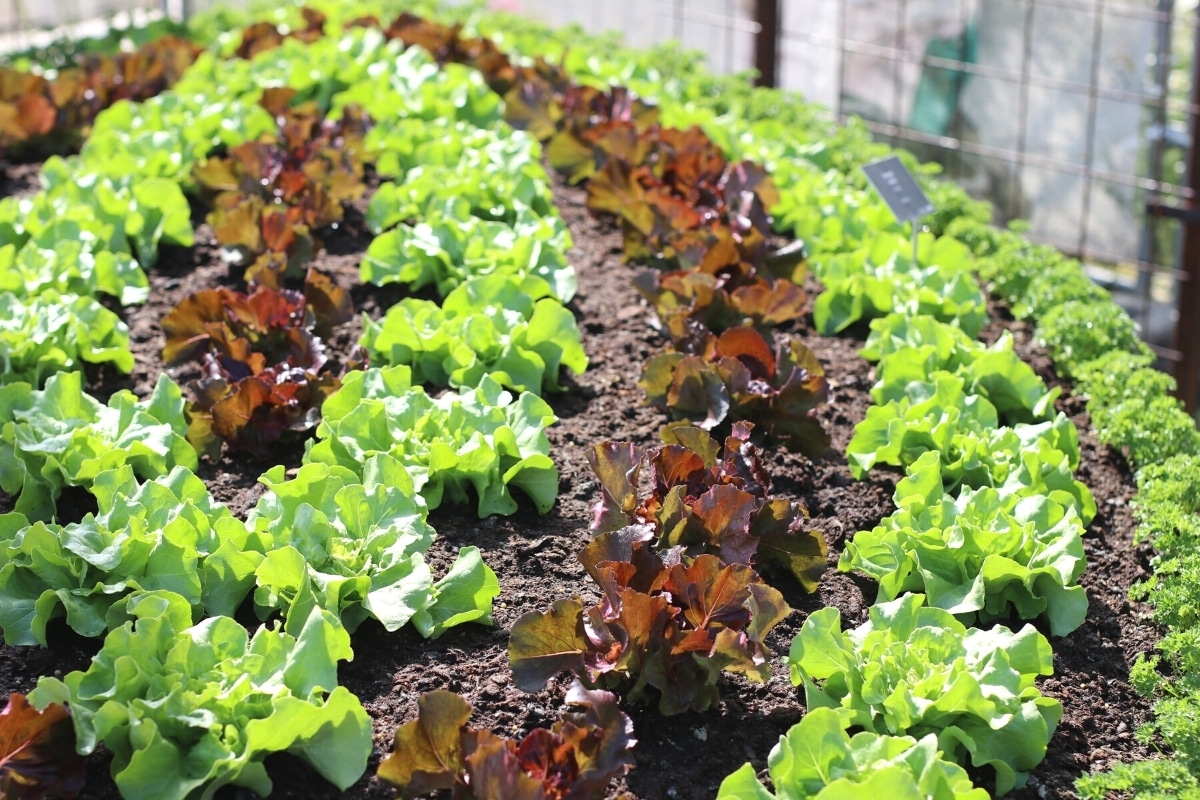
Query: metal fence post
{"x": 766, "y": 42}
{"x": 1187, "y": 329}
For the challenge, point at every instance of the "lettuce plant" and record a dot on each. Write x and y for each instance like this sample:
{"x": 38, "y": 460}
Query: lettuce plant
{"x": 265, "y": 372}
{"x": 142, "y": 212}
{"x": 186, "y": 709}
{"x": 910, "y": 348}
{"x": 739, "y": 375}
{"x": 706, "y": 499}
{"x": 482, "y": 438}
{"x": 450, "y": 246}
{"x": 913, "y": 670}
{"x": 1078, "y": 332}
{"x": 817, "y": 759}
{"x": 496, "y": 173}
{"x": 60, "y": 436}
{"x": 575, "y": 758}
{"x": 665, "y": 625}
{"x": 71, "y": 268}
{"x": 984, "y": 552}
{"x": 496, "y": 325}
{"x": 165, "y": 534}
{"x": 881, "y": 278}
{"x": 51, "y": 333}
{"x": 930, "y": 415}
{"x": 356, "y": 548}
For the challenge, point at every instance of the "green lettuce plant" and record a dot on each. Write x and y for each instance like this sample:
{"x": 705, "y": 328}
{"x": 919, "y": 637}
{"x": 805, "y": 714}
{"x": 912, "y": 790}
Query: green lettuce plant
{"x": 911, "y": 670}
{"x": 983, "y": 554}
{"x": 356, "y": 548}
{"x": 818, "y": 759}
{"x": 60, "y": 436}
{"x": 497, "y": 325}
{"x": 70, "y": 268}
{"x": 1078, "y": 331}
{"x": 450, "y": 246}
{"x": 910, "y": 348}
{"x": 186, "y": 709}
{"x": 881, "y": 277}
{"x": 52, "y": 333}
{"x": 483, "y": 439}
{"x": 165, "y": 534}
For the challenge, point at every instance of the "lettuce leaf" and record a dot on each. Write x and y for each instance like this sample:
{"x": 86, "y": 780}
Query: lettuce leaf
{"x": 483, "y": 438}
{"x": 356, "y": 548}
{"x": 69, "y": 267}
{"x": 983, "y": 553}
{"x": 913, "y": 670}
{"x": 165, "y": 534}
{"x": 909, "y": 348}
{"x": 51, "y": 333}
{"x": 817, "y": 759}
{"x": 495, "y": 325}
{"x": 450, "y": 246}
{"x": 60, "y": 436}
{"x": 186, "y": 709}
{"x": 881, "y": 277}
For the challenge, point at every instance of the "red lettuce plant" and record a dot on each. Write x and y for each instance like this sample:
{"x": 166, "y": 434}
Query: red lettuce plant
{"x": 706, "y": 499}
{"x": 264, "y": 370}
{"x": 664, "y": 622}
{"x": 575, "y": 759}
{"x": 739, "y": 375}
{"x": 267, "y": 198}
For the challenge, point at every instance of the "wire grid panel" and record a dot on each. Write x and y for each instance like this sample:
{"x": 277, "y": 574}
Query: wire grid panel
{"x": 1057, "y": 111}
{"x": 722, "y": 29}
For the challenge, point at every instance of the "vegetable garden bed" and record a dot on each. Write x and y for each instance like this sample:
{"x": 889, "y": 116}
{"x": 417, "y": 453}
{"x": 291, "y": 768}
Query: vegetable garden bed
{"x": 534, "y": 555}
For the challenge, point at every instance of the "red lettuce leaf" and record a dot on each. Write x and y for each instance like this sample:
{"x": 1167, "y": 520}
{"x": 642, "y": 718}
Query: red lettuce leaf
{"x": 37, "y": 752}
{"x": 575, "y": 759}
{"x": 669, "y": 625}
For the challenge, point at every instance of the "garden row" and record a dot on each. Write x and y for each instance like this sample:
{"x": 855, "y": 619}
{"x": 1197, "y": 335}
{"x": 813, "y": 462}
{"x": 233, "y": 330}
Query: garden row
{"x": 334, "y": 544}
{"x": 968, "y": 477}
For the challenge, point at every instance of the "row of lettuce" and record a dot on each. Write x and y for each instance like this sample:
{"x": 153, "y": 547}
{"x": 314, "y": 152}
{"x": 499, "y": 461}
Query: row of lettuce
{"x": 343, "y": 539}
{"x": 952, "y": 393}
{"x": 824, "y": 201}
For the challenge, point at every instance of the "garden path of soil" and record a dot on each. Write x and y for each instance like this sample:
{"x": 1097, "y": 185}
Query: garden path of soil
{"x": 683, "y": 757}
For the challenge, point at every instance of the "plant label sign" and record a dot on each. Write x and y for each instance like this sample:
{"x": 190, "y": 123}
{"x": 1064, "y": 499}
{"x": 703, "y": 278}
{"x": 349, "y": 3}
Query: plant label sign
{"x": 898, "y": 189}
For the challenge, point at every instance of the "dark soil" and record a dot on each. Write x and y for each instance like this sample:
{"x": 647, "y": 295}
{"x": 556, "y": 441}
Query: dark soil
{"x": 687, "y": 756}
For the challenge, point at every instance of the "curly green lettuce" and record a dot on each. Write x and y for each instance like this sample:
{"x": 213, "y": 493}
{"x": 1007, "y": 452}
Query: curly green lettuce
{"x": 911, "y": 670}
{"x": 356, "y": 548}
{"x": 483, "y": 440}
{"x": 186, "y": 709}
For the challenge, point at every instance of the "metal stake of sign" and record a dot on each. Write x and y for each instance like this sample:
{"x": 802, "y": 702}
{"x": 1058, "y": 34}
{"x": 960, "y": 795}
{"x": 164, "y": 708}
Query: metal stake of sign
{"x": 903, "y": 196}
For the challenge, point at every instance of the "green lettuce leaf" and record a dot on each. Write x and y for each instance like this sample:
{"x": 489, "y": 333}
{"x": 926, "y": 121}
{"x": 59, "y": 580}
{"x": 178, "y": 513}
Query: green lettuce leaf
{"x": 186, "y": 709}
{"x": 482, "y": 439}
{"x": 496, "y": 325}
{"x": 914, "y": 671}
{"x": 817, "y": 759}
{"x": 356, "y": 548}
{"x": 60, "y": 436}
